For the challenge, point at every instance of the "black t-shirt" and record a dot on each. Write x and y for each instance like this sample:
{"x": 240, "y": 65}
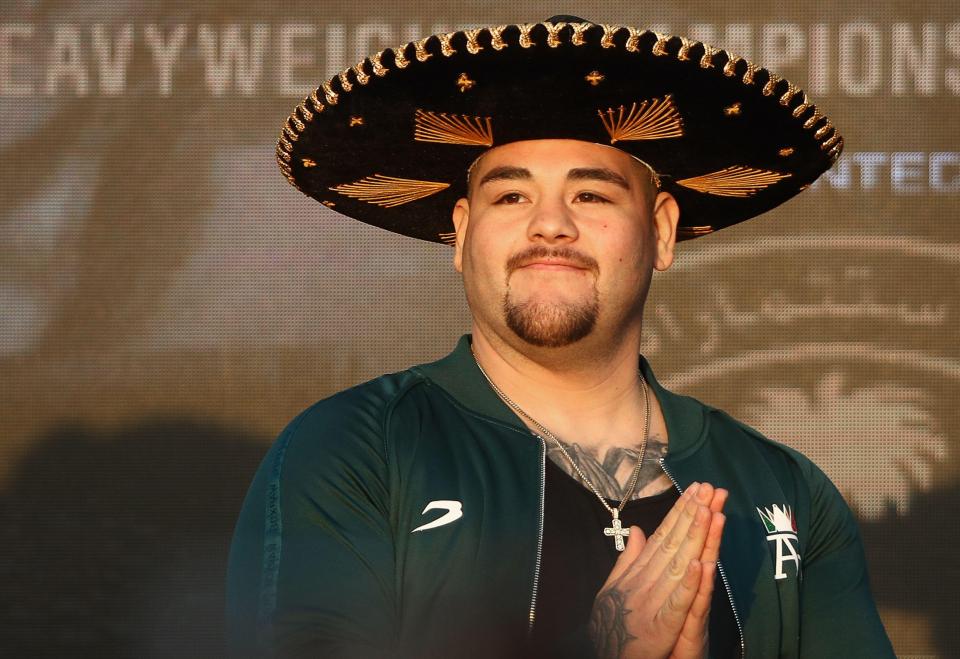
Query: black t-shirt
{"x": 577, "y": 558}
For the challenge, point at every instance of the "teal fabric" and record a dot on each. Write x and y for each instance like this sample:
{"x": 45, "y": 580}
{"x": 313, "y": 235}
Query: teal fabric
{"x": 324, "y": 561}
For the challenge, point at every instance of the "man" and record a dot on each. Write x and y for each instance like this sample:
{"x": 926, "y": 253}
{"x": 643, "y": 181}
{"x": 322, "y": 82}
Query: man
{"x": 537, "y": 492}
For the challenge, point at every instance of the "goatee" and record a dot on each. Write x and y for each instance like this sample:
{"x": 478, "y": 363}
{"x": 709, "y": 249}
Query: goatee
{"x": 550, "y": 325}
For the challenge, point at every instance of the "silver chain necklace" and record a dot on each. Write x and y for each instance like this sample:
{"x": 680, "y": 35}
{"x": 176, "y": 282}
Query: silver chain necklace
{"x": 616, "y": 529}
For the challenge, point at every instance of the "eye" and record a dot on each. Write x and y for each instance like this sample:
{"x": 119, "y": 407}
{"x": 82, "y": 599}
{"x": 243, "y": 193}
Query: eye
{"x": 590, "y": 197}
{"x": 509, "y": 198}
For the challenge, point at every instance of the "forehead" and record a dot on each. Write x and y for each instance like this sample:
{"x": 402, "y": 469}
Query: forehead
{"x": 553, "y": 154}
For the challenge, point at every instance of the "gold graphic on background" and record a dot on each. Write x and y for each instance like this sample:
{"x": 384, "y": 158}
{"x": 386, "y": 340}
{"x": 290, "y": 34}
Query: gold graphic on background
{"x": 652, "y": 119}
{"x": 388, "y": 191}
{"x": 736, "y": 181}
{"x": 452, "y": 128}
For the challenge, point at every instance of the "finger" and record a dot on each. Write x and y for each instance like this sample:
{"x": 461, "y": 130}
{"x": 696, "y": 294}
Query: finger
{"x": 701, "y": 603}
{"x": 673, "y": 612}
{"x": 635, "y": 543}
{"x": 711, "y": 546}
{"x": 690, "y": 548}
{"x": 666, "y": 527}
{"x": 704, "y": 493}
{"x": 679, "y": 539}
{"x": 719, "y": 499}
{"x": 693, "y": 634}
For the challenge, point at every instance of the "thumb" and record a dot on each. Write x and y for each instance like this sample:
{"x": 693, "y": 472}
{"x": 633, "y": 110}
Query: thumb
{"x": 635, "y": 544}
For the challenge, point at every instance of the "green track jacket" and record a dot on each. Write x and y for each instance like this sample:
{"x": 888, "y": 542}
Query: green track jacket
{"x": 403, "y": 518}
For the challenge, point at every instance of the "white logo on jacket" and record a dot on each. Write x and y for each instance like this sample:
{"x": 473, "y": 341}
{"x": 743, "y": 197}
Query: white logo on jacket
{"x": 454, "y": 512}
{"x": 782, "y": 529}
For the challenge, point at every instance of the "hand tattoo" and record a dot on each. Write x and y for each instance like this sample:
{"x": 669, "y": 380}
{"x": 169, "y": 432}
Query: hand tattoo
{"x": 608, "y": 629}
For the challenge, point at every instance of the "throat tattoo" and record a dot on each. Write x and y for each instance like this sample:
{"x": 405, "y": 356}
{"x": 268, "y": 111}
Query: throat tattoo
{"x": 611, "y": 473}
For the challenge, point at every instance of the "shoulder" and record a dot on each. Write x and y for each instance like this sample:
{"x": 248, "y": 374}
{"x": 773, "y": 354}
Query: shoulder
{"x": 347, "y": 426}
{"x": 829, "y": 514}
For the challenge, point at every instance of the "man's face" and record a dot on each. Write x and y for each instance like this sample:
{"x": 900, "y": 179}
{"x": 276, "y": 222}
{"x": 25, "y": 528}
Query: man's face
{"x": 558, "y": 238}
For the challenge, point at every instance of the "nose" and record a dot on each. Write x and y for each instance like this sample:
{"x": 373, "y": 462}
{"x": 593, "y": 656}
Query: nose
{"x": 552, "y": 222}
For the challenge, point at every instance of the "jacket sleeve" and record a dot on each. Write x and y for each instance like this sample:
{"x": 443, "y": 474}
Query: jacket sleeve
{"x": 838, "y": 617}
{"x": 311, "y": 568}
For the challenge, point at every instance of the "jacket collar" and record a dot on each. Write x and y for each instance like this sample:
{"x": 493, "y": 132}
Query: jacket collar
{"x": 459, "y": 375}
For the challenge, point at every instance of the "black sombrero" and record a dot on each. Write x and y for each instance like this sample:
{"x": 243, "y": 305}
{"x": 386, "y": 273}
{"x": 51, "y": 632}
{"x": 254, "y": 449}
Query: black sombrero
{"x": 389, "y": 141}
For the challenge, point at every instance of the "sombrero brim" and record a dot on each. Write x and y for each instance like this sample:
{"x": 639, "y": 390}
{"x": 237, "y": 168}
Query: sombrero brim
{"x": 388, "y": 142}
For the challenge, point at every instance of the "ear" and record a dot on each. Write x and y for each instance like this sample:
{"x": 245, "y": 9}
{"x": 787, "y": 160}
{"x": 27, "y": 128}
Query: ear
{"x": 666, "y": 216}
{"x": 461, "y": 217}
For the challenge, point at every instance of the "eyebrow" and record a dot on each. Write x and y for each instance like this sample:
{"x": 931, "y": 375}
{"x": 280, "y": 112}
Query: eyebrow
{"x": 509, "y": 172}
{"x": 598, "y": 174}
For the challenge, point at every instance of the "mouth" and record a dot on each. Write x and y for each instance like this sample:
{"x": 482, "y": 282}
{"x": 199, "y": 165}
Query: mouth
{"x": 551, "y": 264}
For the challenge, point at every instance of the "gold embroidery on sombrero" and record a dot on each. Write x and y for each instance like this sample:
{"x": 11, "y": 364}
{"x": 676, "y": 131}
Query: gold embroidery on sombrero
{"x": 553, "y": 33}
{"x": 813, "y": 119}
{"x": 594, "y": 78}
{"x": 472, "y": 46}
{"x": 356, "y": 120}
{"x": 606, "y": 41}
{"x": 771, "y": 85}
{"x": 750, "y": 73}
{"x": 685, "y": 47}
{"x": 285, "y": 143}
{"x": 464, "y": 82}
{"x": 389, "y": 191}
{"x": 660, "y": 48}
{"x": 786, "y": 151}
{"x": 706, "y": 62}
{"x": 693, "y": 232}
{"x": 736, "y": 181}
{"x": 291, "y": 135}
{"x": 308, "y": 162}
{"x": 304, "y": 112}
{"x": 496, "y": 38}
{"x": 345, "y": 83}
{"x": 448, "y": 238}
{"x": 633, "y": 41}
{"x": 452, "y": 128}
{"x": 652, "y": 119}
{"x": 399, "y": 59}
{"x": 358, "y": 71}
{"x": 578, "y": 30}
{"x": 378, "y": 68}
{"x": 445, "y": 48}
{"x": 525, "y": 40}
{"x": 297, "y": 126}
{"x": 824, "y": 130}
{"x": 787, "y": 96}
{"x": 283, "y": 155}
{"x": 732, "y": 60}
{"x": 829, "y": 143}
{"x": 315, "y": 101}
{"x": 421, "y": 49}
{"x": 733, "y": 110}
{"x": 329, "y": 94}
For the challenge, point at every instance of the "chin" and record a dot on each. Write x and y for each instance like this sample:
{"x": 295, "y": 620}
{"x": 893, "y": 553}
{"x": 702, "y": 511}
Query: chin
{"x": 550, "y": 325}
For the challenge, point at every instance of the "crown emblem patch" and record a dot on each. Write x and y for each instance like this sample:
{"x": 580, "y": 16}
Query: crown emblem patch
{"x": 782, "y": 530}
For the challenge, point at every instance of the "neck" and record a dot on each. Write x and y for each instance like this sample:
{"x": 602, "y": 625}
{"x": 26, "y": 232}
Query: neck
{"x": 583, "y": 393}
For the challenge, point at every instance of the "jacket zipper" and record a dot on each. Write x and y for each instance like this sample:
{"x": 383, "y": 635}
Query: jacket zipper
{"x": 536, "y": 570}
{"x": 723, "y": 575}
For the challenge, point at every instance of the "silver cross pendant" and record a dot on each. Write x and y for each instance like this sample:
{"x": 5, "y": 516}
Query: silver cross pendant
{"x": 617, "y": 531}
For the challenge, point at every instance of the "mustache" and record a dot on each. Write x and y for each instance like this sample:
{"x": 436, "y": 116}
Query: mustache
{"x": 542, "y": 251}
